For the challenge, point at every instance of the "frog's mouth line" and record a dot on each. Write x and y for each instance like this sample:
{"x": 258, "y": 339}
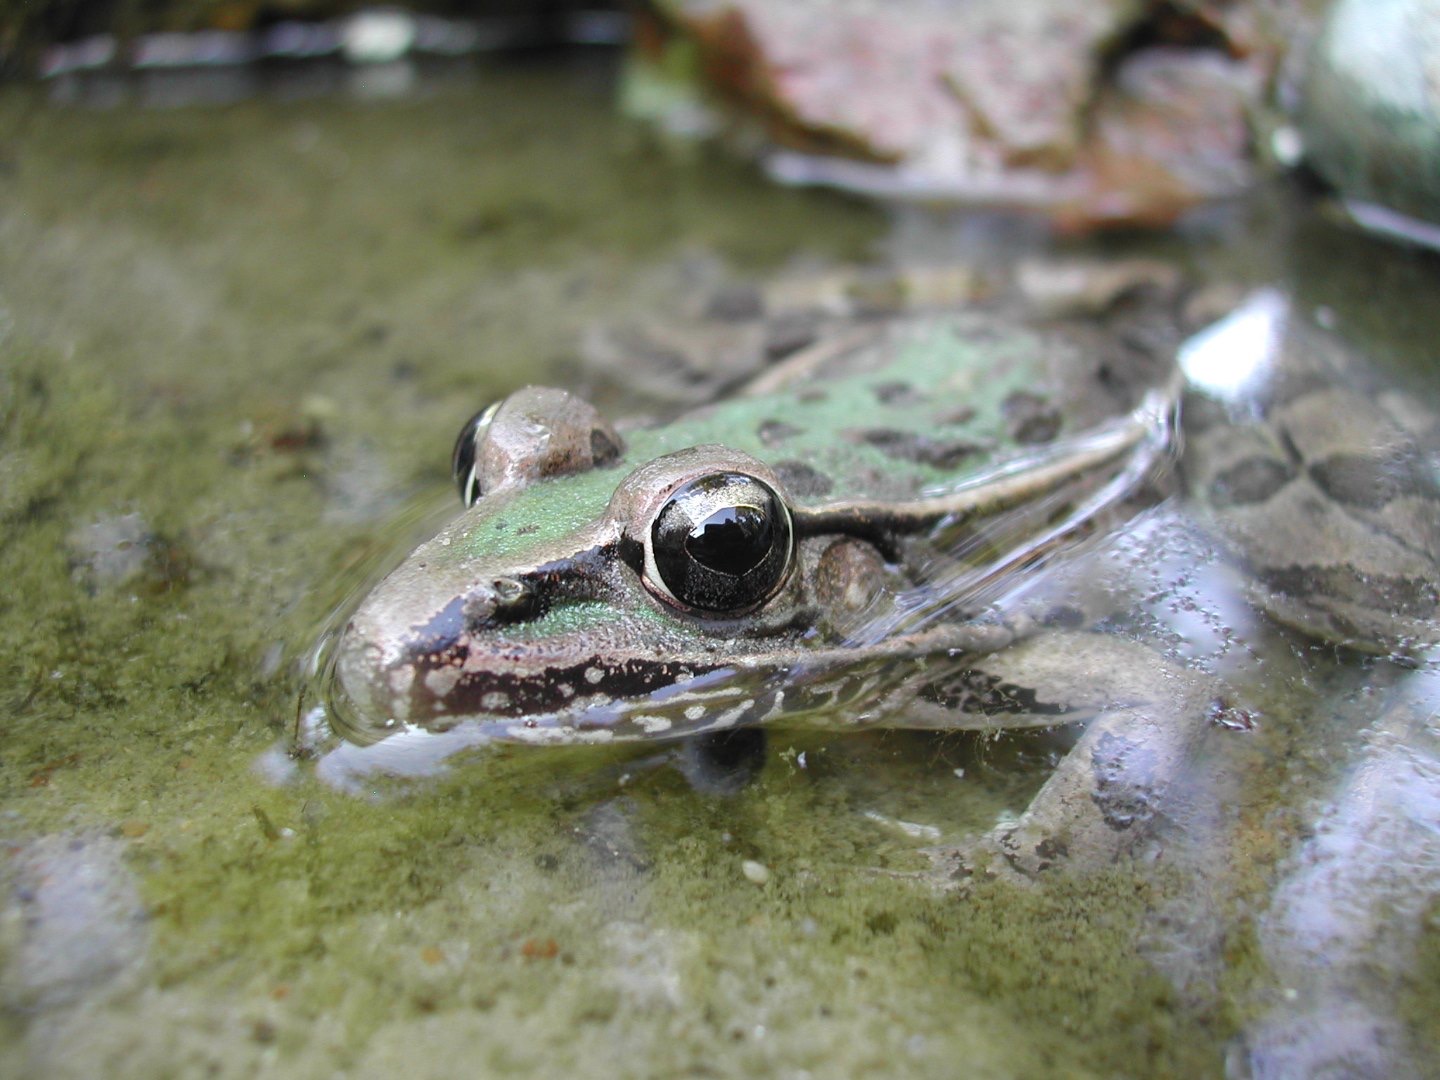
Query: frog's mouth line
{"x": 663, "y": 700}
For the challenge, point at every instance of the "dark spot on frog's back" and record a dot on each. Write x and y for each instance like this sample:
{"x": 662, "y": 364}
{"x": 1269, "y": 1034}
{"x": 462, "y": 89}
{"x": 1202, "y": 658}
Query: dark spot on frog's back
{"x": 1370, "y": 483}
{"x": 774, "y": 432}
{"x": 735, "y": 303}
{"x": 922, "y": 449}
{"x": 1030, "y": 418}
{"x": 789, "y": 333}
{"x": 1126, "y": 781}
{"x": 979, "y": 331}
{"x": 1250, "y": 481}
{"x": 802, "y": 480}
{"x": 960, "y": 414}
{"x": 603, "y": 449}
{"x": 1404, "y": 596}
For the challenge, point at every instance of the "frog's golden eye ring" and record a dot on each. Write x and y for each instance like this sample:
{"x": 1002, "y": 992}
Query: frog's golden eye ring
{"x": 722, "y": 544}
{"x": 462, "y": 459}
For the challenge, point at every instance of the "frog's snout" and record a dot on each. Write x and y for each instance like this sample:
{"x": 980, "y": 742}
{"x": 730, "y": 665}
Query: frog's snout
{"x": 442, "y": 639}
{"x": 392, "y": 663}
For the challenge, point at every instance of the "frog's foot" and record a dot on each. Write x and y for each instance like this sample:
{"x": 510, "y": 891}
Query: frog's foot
{"x": 1108, "y": 799}
{"x": 1134, "y": 771}
{"x": 1126, "y": 791}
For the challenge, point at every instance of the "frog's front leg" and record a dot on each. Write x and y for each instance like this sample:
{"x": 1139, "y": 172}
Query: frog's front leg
{"x": 1107, "y": 797}
{"x": 1129, "y": 772}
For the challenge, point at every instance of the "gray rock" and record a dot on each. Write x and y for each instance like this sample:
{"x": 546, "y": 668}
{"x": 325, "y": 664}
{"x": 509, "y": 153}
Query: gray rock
{"x": 1346, "y": 925}
{"x": 110, "y": 552}
{"x": 71, "y": 921}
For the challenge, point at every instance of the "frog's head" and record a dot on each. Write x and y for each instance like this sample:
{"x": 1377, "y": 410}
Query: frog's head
{"x": 579, "y": 597}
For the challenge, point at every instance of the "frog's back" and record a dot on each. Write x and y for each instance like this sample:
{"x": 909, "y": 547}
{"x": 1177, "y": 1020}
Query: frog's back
{"x": 894, "y": 409}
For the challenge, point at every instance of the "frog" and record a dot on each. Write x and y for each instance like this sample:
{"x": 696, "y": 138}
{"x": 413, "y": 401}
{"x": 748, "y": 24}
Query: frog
{"x": 855, "y": 540}
{"x": 732, "y": 567}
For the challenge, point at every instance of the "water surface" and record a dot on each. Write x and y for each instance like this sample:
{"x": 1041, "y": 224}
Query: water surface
{"x": 236, "y": 342}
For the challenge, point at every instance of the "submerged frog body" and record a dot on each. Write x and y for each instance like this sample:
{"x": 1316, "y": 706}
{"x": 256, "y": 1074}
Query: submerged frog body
{"x": 869, "y": 536}
{"x": 832, "y": 545}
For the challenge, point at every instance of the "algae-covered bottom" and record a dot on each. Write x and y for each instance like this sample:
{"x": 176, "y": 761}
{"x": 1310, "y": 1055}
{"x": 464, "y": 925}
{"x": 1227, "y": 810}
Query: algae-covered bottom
{"x": 236, "y": 342}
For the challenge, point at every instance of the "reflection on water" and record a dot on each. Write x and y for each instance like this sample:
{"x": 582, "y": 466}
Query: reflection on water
{"x": 1231, "y": 359}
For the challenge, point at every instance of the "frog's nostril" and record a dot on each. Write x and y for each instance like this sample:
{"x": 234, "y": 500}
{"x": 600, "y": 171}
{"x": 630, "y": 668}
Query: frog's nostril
{"x": 508, "y": 591}
{"x": 502, "y": 600}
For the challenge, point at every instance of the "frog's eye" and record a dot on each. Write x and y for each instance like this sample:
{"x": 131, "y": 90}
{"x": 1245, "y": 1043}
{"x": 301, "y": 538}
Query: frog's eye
{"x": 722, "y": 543}
{"x": 462, "y": 460}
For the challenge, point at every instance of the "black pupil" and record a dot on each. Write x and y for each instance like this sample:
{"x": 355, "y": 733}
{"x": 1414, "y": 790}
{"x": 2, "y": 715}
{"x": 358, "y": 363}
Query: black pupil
{"x": 732, "y": 541}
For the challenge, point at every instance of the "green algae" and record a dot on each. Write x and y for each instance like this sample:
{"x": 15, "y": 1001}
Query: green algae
{"x": 1416, "y": 1004}
{"x": 486, "y": 899}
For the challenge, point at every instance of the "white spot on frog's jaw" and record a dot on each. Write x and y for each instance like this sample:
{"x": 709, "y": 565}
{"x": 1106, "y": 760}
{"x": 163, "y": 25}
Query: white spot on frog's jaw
{"x": 565, "y": 736}
{"x": 401, "y": 679}
{"x": 593, "y": 675}
{"x": 440, "y": 681}
{"x": 694, "y": 712}
{"x": 730, "y": 717}
{"x": 652, "y": 725}
{"x": 565, "y": 690}
{"x": 495, "y": 700}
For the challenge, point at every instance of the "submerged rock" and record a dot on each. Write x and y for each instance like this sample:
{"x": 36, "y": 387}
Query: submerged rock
{"x": 1346, "y": 933}
{"x": 121, "y": 550}
{"x": 72, "y": 921}
{"x": 110, "y": 552}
